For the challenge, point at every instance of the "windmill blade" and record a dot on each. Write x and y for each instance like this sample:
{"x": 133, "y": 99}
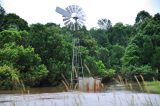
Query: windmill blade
{"x": 67, "y": 22}
{"x": 66, "y": 18}
{"x": 70, "y": 8}
{"x": 75, "y": 8}
{"x": 79, "y": 9}
{"x": 63, "y": 12}
{"x": 81, "y": 18}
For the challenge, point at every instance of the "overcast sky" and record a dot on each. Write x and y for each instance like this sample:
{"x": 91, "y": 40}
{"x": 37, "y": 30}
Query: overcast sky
{"x": 43, "y": 11}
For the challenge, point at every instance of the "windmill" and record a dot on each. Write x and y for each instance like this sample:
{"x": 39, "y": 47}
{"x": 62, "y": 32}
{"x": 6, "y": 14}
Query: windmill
{"x": 74, "y": 17}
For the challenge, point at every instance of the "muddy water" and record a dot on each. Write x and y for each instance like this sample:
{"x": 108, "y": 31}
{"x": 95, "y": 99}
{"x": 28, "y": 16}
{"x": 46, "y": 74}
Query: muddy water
{"x": 35, "y": 90}
{"x": 113, "y": 95}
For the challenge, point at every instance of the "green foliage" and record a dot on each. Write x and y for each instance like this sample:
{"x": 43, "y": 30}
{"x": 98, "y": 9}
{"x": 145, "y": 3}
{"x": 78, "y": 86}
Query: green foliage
{"x": 14, "y": 21}
{"x": 103, "y": 72}
{"x": 153, "y": 86}
{"x": 98, "y": 68}
{"x": 155, "y": 61}
{"x": 116, "y": 53}
{"x": 157, "y": 17}
{"x": 103, "y": 55}
{"x": 53, "y": 48}
{"x": 131, "y": 55}
{"x": 9, "y": 77}
{"x": 25, "y": 60}
{"x": 2, "y": 13}
{"x": 119, "y": 34}
{"x": 100, "y": 36}
{"x": 101, "y": 68}
{"x": 57, "y": 68}
{"x": 33, "y": 77}
{"x": 142, "y": 54}
{"x": 10, "y": 36}
{"x": 145, "y": 70}
{"x": 141, "y": 16}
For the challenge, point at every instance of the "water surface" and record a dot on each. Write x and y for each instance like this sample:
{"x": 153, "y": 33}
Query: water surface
{"x": 112, "y": 95}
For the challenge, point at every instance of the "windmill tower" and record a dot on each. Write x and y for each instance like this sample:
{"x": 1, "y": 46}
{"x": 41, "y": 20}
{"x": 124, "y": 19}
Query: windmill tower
{"x": 74, "y": 17}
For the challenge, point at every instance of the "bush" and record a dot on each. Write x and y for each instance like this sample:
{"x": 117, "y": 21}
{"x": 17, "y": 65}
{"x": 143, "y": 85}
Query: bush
{"x": 146, "y": 71}
{"x": 9, "y": 77}
{"x": 28, "y": 63}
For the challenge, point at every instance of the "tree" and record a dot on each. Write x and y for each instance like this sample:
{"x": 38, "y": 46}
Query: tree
{"x": 116, "y": 53}
{"x": 9, "y": 77}
{"x": 14, "y": 21}
{"x": 2, "y": 13}
{"x": 18, "y": 37}
{"x": 157, "y": 17}
{"x": 142, "y": 52}
{"x": 100, "y": 36}
{"x": 104, "y": 23}
{"x": 141, "y": 16}
{"x": 26, "y": 61}
{"x": 119, "y": 34}
{"x": 54, "y": 50}
{"x": 103, "y": 55}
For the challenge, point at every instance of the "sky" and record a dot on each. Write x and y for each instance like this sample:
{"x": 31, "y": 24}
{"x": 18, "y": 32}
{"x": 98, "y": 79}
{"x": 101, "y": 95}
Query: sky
{"x": 43, "y": 11}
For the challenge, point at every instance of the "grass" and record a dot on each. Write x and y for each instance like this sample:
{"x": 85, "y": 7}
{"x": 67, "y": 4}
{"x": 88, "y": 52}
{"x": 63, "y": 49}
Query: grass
{"x": 153, "y": 86}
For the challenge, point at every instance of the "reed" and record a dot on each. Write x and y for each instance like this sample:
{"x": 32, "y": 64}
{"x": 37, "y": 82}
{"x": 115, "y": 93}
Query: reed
{"x": 88, "y": 69}
{"x": 65, "y": 80}
{"x": 120, "y": 79}
{"x": 67, "y": 87}
{"x": 138, "y": 83}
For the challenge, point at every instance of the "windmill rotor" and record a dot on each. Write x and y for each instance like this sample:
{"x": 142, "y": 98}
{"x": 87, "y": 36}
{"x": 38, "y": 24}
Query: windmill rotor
{"x": 73, "y": 16}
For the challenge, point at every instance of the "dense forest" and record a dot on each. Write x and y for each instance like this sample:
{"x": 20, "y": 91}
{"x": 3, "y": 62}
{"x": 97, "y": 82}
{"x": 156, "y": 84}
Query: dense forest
{"x": 38, "y": 54}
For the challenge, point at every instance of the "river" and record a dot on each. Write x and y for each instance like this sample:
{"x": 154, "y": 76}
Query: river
{"x": 112, "y": 95}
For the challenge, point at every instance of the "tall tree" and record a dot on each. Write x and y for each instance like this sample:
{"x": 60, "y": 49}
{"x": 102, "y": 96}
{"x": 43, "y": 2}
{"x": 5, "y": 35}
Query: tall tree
{"x": 2, "y": 13}
{"x": 54, "y": 50}
{"x": 157, "y": 17}
{"x": 142, "y": 51}
{"x": 14, "y": 21}
{"x": 104, "y": 23}
{"x": 141, "y": 16}
{"x": 120, "y": 34}
{"x": 100, "y": 36}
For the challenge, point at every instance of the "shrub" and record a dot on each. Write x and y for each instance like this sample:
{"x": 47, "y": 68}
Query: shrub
{"x": 9, "y": 77}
